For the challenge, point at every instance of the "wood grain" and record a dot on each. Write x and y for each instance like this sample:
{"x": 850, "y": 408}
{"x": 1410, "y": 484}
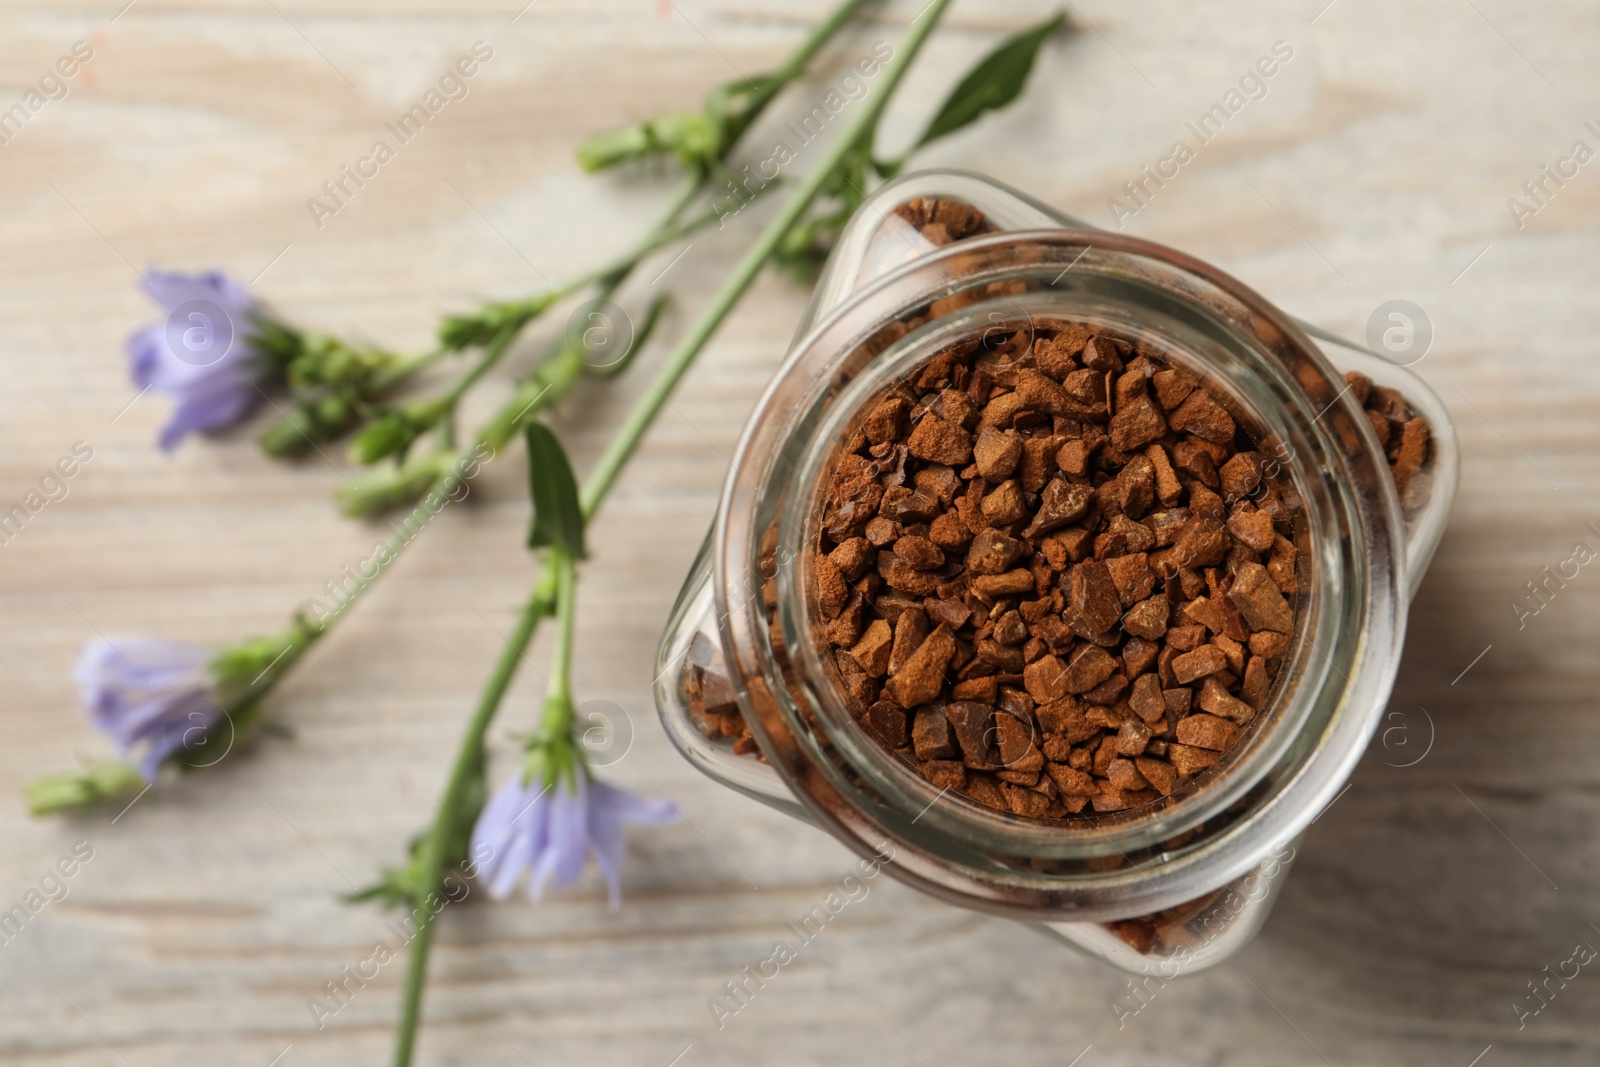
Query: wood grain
{"x": 1376, "y": 166}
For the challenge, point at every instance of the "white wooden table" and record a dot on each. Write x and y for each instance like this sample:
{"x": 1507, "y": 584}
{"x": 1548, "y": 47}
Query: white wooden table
{"x": 1376, "y": 166}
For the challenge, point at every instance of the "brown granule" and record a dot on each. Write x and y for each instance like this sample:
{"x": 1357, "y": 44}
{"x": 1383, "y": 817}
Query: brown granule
{"x": 1405, "y": 436}
{"x": 1071, "y": 552}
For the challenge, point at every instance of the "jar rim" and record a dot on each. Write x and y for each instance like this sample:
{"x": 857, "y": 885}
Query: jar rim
{"x": 1320, "y": 763}
{"x": 1203, "y": 797}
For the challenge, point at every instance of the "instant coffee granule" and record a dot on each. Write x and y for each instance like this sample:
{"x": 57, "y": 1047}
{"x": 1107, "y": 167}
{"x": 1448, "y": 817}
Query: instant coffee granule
{"x": 1404, "y": 436}
{"x": 1055, "y": 574}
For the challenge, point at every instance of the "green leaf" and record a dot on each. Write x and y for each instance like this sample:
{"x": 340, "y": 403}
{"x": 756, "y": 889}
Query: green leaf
{"x": 557, "y": 516}
{"x": 993, "y": 83}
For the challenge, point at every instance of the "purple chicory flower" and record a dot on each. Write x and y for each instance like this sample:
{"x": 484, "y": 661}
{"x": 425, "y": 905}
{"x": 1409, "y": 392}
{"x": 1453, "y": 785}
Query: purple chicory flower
{"x": 550, "y": 831}
{"x": 201, "y": 353}
{"x": 147, "y": 691}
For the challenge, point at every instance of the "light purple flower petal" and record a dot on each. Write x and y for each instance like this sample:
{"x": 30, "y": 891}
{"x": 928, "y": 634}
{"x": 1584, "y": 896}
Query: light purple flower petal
{"x": 116, "y": 676}
{"x": 218, "y": 403}
{"x": 127, "y": 725}
{"x": 147, "y": 692}
{"x": 511, "y": 829}
{"x": 170, "y": 289}
{"x": 519, "y": 853}
{"x": 633, "y": 808}
{"x": 549, "y": 832}
{"x": 610, "y": 808}
{"x": 608, "y": 844}
{"x": 209, "y": 394}
{"x": 562, "y": 858}
{"x": 130, "y": 659}
{"x": 165, "y": 738}
{"x": 145, "y": 350}
{"x": 152, "y": 364}
{"x": 492, "y": 830}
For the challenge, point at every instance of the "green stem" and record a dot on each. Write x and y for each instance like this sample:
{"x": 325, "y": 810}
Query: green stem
{"x": 399, "y": 537}
{"x": 550, "y": 756}
{"x": 547, "y": 385}
{"x": 665, "y": 231}
{"x": 539, "y": 605}
{"x": 405, "y": 368}
{"x": 102, "y": 783}
{"x": 302, "y": 635}
{"x": 824, "y": 31}
{"x": 683, "y": 356}
{"x": 560, "y": 561}
{"x": 795, "y": 65}
{"x": 551, "y": 583}
{"x": 556, "y": 376}
{"x": 492, "y": 354}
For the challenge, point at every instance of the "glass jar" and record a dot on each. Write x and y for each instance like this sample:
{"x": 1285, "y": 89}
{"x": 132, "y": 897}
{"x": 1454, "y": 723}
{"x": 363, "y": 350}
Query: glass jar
{"x": 1165, "y": 889}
